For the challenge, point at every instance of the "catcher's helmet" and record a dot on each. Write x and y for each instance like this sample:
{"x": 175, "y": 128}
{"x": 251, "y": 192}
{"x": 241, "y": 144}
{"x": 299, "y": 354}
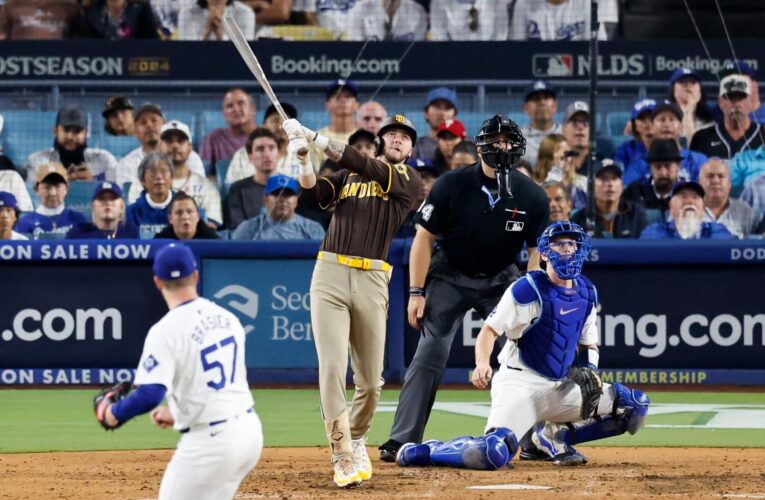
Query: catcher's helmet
{"x": 397, "y": 121}
{"x": 567, "y": 266}
{"x": 494, "y": 130}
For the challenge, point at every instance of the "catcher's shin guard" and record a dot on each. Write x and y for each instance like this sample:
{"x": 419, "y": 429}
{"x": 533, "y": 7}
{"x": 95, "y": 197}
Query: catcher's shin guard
{"x": 489, "y": 452}
{"x": 413, "y": 454}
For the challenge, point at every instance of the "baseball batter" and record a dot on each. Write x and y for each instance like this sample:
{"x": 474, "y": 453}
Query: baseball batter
{"x": 547, "y": 367}
{"x": 194, "y": 356}
{"x": 349, "y": 288}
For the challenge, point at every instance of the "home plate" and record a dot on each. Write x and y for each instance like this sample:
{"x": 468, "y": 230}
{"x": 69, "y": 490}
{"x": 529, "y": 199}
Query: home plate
{"x": 508, "y": 487}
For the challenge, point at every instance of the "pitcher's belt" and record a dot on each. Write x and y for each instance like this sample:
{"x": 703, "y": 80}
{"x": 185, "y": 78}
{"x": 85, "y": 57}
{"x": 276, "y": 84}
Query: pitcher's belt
{"x": 355, "y": 262}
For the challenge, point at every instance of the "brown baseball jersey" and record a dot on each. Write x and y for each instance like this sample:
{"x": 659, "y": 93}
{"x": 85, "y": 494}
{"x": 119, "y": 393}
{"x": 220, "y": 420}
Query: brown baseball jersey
{"x": 373, "y": 199}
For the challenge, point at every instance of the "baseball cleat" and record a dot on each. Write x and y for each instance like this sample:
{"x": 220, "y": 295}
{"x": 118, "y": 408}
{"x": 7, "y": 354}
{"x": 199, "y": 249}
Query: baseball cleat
{"x": 570, "y": 458}
{"x": 346, "y": 475}
{"x": 361, "y": 458}
{"x": 533, "y": 454}
{"x": 388, "y": 450}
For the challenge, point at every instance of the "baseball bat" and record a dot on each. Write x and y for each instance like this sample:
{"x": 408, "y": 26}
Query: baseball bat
{"x": 248, "y": 56}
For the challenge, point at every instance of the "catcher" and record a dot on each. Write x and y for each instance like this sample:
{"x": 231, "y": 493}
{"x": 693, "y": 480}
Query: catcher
{"x": 547, "y": 369}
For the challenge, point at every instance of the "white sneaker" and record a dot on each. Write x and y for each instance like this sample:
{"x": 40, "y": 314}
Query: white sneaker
{"x": 361, "y": 458}
{"x": 346, "y": 474}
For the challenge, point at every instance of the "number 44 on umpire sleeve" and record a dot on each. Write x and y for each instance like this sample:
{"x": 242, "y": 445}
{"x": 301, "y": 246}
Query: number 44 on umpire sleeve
{"x": 217, "y": 364}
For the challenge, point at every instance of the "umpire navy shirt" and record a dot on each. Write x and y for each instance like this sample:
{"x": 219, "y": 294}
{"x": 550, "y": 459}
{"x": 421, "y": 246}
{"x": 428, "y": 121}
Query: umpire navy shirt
{"x": 479, "y": 233}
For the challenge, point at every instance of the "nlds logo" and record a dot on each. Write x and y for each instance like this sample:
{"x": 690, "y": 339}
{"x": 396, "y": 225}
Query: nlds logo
{"x": 553, "y": 65}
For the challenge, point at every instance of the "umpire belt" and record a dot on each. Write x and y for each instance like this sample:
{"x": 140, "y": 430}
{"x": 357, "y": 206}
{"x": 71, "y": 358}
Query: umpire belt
{"x": 355, "y": 262}
{"x": 197, "y": 427}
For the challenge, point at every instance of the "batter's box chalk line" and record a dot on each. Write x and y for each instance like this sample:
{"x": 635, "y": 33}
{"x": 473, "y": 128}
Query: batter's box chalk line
{"x": 508, "y": 487}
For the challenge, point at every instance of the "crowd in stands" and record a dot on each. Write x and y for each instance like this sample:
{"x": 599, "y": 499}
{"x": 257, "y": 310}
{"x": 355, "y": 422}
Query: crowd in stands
{"x": 377, "y": 20}
{"x": 663, "y": 183}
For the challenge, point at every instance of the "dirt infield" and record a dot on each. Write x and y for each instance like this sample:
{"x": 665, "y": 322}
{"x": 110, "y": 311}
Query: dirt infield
{"x": 285, "y": 473}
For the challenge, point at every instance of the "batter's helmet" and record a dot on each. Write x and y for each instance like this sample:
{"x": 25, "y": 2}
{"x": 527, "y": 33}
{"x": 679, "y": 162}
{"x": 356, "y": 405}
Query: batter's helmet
{"x": 400, "y": 122}
{"x": 567, "y": 266}
{"x": 492, "y": 132}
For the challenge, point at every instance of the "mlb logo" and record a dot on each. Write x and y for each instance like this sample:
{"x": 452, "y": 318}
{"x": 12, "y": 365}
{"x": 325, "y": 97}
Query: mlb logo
{"x": 553, "y": 65}
{"x": 514, "y": 226}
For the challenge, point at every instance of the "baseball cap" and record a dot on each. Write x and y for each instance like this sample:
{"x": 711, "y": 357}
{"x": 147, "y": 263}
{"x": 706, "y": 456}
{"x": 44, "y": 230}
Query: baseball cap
{"x": 682, "y": 73}
{"x": 680, "y": 185}
{"x": 44, "y": 171}
{"x": 174, "y": 261}
{"x": 607, "y": 165}
{"x": 104, "y": 187}
{"x": 577, "y": 107}
{"x": 72, "y": 116}
{"x": 116, "y": 103}
{"x": 423, "y": 165}
{"x": 663, "y": 150}
{"x": 735, "y": 84}
{"x": 539, "y": 87}
{"x": 345, "y": 85}
{"x": 444, "y": 94}
{"x": 641, "y": 106}
{"x": 737, "y": 67}
{"x": 454, "y": 127}
{"x": 175, "y": 126}
{"x": 281, "y": 181}
{"x": 667, "y": 105}
{"x": 148, "y": 107}
{"x": 8, "y": 200}
{"x": 361, "y": 135}
{"x": 288, "y": 108}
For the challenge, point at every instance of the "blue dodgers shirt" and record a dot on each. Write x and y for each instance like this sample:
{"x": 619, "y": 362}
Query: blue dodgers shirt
{"x": 37, "y": 223}
{"x": 667, "y": 231}
{"x": 145, "y": 217}
{"x": 263, "y": 227}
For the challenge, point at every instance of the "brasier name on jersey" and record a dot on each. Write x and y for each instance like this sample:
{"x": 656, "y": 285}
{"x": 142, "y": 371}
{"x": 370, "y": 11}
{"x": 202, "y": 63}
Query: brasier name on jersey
{"x": 209, "y": 323}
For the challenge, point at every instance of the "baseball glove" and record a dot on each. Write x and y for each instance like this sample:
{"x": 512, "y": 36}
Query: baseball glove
{"x": 591, "y": 386}
{"x": 109, "y": 396}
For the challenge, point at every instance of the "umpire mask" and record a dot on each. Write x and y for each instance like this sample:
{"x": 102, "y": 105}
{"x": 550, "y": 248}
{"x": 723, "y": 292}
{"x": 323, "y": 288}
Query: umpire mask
{"x": 489, "y": 141}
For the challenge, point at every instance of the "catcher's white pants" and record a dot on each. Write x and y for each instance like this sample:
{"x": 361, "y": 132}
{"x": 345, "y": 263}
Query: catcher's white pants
{"x": 520, "y": 399}
{"x": 211, "y": 461}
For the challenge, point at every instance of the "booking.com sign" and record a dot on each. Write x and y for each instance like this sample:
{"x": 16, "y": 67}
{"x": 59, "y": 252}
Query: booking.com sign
{"x": 271, "y": 299}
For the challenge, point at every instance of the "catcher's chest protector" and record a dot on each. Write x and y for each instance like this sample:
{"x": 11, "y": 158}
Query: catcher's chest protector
{"x": 549, "y": 345}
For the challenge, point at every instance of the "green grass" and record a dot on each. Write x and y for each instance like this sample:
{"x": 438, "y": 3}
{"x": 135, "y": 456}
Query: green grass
{"x": 48, "y": 420}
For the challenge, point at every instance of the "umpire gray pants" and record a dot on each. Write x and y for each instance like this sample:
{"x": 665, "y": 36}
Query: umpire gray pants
{"x": 449, "y": 295}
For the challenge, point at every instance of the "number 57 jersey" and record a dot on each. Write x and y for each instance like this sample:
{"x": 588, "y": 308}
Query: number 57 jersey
{"x": 197, "y": 352}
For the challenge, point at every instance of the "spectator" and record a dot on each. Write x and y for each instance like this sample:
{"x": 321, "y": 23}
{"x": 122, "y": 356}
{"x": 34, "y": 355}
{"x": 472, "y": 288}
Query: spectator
{"x": 245, "y": 198}
{"x": 540, "y": 104}
{"x": 481, "y": 20}
{"x": 631, "y": 154}
{"x": 363, "y": 141}
{"x": 378, "y": 20}
{"x": 736, "y": 215}
{"x": 204, "y": 21}
{"x": 40, "y": 19}
{"x": 222, "y": 143}
{"x": 342, "y": 104}
{"x": 121, "y": 20}
{"x": 279, "y": 221}
{"x": 614, "y": 217}
{"x": 148, "y": 126}
{"x": 553, "y": 20}
{"x": 576, "y": 131}
{"x": 450, "y": 133}
{"x": 9, "y": 215}
{"x": 687, "y": 213}
{"x": 667, "y": 119}
{"x": 440, "y": 105}
{"x": 166, "y": 12}
{"x": 118, "y": 116}
{"x": 185, "y": 222}
{"x": 149, "y": 212}
{"x": 556, "y": 163}
{"x": 12, "y": 182}
{"x": 654, "y": 192}
{"x": 560, "y": 201}
{"x": 51, "y": 217}
{"x": 107, "y": 217}
{"x": 464, "y": 153}
{"x": 746, "y": 167}
{"x": 428, "y": 174}
{"x": 739, "y": 67}
{"x": 737, "y": 132}
{"x": 754, "y": 194}
{"x": 329, "y": 14}
{"x": 270, "y": 12}
{"x": 70, "y": 149}
{"x": 686, "y": 91}
{"x": 523, "y": 167}
{"x": 371, "y": 115}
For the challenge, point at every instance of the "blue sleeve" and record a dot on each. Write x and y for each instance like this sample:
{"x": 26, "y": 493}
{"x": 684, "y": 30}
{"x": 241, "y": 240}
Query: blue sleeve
{"x": 131, "y": 216}
{"x": 720, "y": 232}
{"x": 621, "y": 155}
{"x": 652, "y": 232}
{"x": 142, "y": 400}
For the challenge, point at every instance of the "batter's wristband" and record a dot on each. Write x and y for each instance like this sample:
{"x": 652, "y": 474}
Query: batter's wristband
{"x": 416, "y": 291}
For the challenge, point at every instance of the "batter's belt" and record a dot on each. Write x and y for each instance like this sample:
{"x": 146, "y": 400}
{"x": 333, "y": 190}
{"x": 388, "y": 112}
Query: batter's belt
{"x": 355, "y": 262}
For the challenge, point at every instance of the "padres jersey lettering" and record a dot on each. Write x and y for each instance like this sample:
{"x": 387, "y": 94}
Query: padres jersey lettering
{"x": 362, "y": 190}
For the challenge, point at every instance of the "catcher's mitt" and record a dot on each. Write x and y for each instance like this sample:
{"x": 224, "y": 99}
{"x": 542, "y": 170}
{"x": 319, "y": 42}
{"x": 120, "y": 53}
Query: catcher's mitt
{"x": 591, "y": 386}
{"x": 107, "y": 397}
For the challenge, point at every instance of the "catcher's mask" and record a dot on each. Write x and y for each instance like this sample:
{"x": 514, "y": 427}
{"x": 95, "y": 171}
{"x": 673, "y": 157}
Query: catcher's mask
{"x": 399, "y": 122}
{"x": 567, "y": 265}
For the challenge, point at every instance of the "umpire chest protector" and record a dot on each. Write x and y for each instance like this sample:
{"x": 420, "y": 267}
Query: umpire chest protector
{"x": 548, "y": 346}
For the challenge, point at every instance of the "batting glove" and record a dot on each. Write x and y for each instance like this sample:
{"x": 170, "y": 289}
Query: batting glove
{"x": 298, "y": 147}
{"x": 294, "y": 130}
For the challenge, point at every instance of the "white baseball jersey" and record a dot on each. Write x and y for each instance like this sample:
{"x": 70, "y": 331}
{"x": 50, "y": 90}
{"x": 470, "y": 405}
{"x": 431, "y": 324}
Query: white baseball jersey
{"x": 102, "y": 164}
{"x": 450, "y": 20}
{"x": 204, "y": 192}
{"x": 513, "y": 319}
{"x": 197, "y": 352}
{"x": 541, "y": 20}
{"x": 367, "y": 21}
{"x": 331, "y": 14}
{"x": 241, "y": 168}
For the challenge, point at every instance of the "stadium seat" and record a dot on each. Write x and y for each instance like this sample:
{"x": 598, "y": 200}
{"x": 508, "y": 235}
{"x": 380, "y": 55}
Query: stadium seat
{"x": 615, "y": 122}
{"x": 79, "y": 195}
{"x": 119, "y": 146}
{"x": 25, "y": 132}
{"x": 314, "y": 119}
{"x": 210, "y": 121}
{"x": 221, "y": 168}
{"x": 520, "y": 118}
